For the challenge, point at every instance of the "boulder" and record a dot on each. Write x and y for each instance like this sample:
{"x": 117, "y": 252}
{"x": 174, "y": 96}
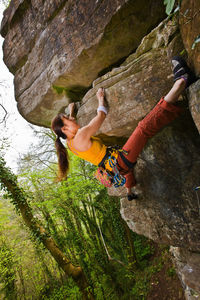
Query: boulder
{"x": 56, "y": 49}
{"x": 136, "y": 86}
{"x": 168, "y": 169}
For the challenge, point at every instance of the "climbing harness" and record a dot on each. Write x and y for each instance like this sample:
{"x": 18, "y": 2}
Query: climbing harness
{"x": 112, "y": 176}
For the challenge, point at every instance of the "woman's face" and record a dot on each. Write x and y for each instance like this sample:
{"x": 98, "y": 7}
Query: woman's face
{"x": 70, "y": 127}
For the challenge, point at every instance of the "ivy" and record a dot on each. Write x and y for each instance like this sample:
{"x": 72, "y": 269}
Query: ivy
{"x": 9, "y": 184}
{"x": 7, "y": 269}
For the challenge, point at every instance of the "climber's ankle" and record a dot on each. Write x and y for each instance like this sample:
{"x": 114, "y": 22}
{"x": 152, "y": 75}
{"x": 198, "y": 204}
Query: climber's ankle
{"x": 176, "y": 91}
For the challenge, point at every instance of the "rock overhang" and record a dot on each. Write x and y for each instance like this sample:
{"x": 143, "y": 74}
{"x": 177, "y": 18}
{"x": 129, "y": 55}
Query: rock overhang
{"x": 64, "y": 45}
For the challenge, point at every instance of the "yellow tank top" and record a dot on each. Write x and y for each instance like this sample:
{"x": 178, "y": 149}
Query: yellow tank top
{"x": 94, "y": 154}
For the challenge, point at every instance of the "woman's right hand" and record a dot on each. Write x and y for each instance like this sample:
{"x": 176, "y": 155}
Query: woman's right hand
{"x": 82, "y": 140}
{"x": 71, "y": 108}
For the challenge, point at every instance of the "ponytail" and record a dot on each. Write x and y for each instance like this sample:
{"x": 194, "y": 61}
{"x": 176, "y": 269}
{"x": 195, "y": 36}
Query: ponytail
{"x": 63, "y": 161}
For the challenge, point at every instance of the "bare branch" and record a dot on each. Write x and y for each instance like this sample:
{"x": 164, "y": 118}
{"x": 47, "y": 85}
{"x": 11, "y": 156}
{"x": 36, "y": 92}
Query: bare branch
{"x": 5, "y": 114}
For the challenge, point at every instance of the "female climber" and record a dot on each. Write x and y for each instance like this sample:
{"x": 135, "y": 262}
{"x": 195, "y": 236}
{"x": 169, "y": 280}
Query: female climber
{"x": 118, "y": 163}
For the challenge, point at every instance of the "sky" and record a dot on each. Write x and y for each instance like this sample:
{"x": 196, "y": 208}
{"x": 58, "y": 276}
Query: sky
{"x": 17, "y": 129}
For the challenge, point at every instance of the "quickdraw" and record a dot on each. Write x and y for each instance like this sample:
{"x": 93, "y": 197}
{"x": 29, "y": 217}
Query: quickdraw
{"x": 118, "y": 180}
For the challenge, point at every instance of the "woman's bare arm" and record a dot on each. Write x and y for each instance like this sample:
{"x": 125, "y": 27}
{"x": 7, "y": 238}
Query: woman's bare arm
{"x": 83, "y": 136}
{"x": 89, "y": 130}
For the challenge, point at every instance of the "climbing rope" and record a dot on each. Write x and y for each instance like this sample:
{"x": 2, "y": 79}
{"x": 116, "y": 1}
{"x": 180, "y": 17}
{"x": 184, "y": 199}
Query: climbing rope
{"x": 106, "y": 249}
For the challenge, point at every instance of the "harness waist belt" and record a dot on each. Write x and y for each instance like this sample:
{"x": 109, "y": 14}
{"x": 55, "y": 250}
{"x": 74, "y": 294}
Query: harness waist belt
{"x": 129, "y": 164}
{"x": 105, "y": 157}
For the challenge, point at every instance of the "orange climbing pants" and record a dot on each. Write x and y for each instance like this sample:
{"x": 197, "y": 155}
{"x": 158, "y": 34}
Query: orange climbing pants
{"x": 162, "y": 114}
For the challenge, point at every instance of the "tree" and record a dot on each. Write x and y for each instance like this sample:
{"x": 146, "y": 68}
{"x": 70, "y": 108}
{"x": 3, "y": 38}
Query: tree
{"x": 19, "y": 198}
{"x": 41, "y": 152}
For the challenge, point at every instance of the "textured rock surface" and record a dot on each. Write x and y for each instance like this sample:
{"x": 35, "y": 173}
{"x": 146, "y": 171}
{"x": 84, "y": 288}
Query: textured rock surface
{"x": 194, "y": 96}
{"x": 189, "y": 25}
{"x": 169, "y": 167}
{"x": 132, "y": 88}
{"x": 66, "y": 44}
{"x": 188, "y": 267}
{"x": 167, "y": 171}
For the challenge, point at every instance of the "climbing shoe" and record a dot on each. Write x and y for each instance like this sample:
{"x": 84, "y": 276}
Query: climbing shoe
{"x": 181, "y": 70}
{"x": 132, "y": 196}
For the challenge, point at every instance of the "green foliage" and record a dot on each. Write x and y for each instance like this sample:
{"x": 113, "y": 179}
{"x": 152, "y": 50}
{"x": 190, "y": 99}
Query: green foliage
{"x": 4, "y": 145}
{"x": 171, "y": 272}
{"x": 78, "y": 206}
{"x": 67, "y": 291}
{"x": 6, "y": 3}
{"x": 8, "y": 183}
{"x": 169, "y": 6}
{"x": 141, "y": 288}
{"x": 7, "y": 269}
{"x": 33, "y": 268}
{"x": 143, "y": 249}
{"x": 72, "y": 212}
{"x": 75, "y": 93}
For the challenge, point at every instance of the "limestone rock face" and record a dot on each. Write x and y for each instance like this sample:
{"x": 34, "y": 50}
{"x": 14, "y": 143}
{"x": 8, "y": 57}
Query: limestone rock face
{"x": 168, "y": 171}
{"x": 189, "y": 25}
{"x": 132, "y": 89}
{"x": 56, "y": 49}
{"x": 169, "y": 167}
